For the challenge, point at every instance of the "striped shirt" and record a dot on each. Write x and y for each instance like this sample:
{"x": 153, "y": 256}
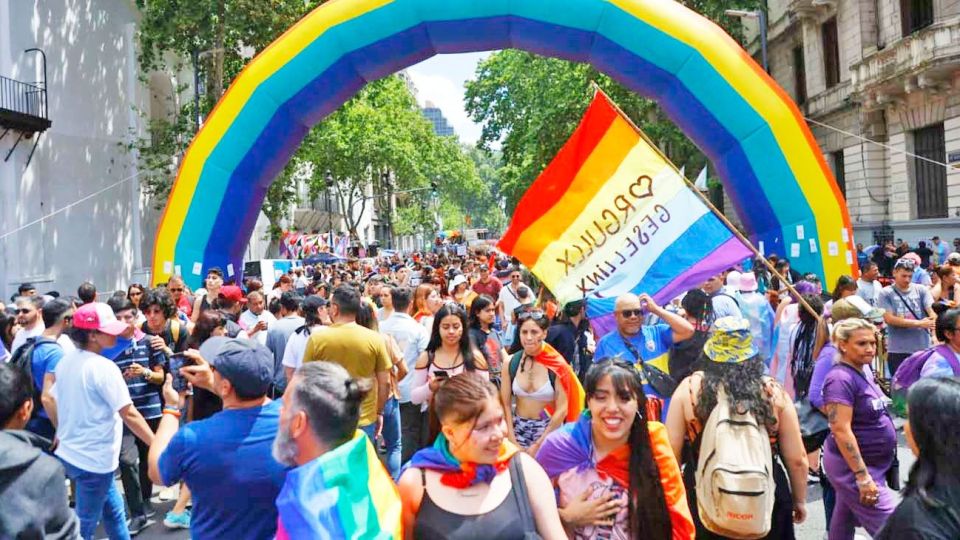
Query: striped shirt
{"x": 145, "y": 396}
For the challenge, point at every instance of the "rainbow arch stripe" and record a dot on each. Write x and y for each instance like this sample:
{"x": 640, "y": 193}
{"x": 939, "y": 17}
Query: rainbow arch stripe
{"x": 751, "y": 130}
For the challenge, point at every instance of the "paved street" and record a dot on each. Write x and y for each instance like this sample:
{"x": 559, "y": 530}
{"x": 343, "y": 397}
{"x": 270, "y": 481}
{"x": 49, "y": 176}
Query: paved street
{"x": 813, "y": 529}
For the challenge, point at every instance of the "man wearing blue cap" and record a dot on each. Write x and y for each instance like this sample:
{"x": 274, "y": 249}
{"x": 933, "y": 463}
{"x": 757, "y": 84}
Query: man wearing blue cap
{"x": 226, "y": 460}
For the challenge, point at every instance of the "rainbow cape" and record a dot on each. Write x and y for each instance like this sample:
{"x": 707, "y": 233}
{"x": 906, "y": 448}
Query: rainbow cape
{"x": 568, "y": 380}
{"x": 457, "y": 474}
{"x": 571, "y": 448}
{"x": 610, "y": 215}
{"x": 345, "y": 493}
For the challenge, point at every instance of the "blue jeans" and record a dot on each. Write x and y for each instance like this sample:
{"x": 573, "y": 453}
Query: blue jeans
{"x": 390, "y": 434}
{"x": 97, "y": 496}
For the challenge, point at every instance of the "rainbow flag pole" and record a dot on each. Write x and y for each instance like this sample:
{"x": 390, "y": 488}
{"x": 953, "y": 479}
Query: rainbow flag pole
{"x": 693, "y": 187}
{"x": 611, "y": 214}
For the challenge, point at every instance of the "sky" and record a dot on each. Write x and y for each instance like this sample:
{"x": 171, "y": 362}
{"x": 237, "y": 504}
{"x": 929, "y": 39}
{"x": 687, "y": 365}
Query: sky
{"x": 440, "y": 80}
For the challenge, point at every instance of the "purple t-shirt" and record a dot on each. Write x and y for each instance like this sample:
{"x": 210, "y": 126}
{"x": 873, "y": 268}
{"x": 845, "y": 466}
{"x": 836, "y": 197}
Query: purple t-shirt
{"x": 871, "y": 424}
{"x": 820, "y": 369}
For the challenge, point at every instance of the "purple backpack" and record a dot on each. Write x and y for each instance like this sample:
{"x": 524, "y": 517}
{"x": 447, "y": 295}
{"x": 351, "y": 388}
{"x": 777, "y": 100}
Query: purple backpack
{"x": 909, "y": 371}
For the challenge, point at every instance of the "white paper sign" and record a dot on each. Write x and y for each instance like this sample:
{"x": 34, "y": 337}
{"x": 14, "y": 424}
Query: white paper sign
{"x": 197, "y": 268}
{"x": 846, "y": 234}
{"x": 799, "y": 232}
{"x": 760, "y": 248}
{"x": 176, "y": 270}
{"x": 794, "y": 250}
{"x": 849, "y": 257}
{"x": 230, "y": 270}
{"x": 813, "y": 245}
{"x": 833, "y": 249}
{"x": 167, "y": 267}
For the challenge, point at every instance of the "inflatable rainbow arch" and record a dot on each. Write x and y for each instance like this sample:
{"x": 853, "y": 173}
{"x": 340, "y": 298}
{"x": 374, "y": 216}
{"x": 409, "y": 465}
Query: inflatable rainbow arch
{"x": 753, "y": 133}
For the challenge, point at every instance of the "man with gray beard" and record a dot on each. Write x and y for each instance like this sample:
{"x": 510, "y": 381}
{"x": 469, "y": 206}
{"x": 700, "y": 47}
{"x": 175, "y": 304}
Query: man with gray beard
{"x": 318, "y": 436}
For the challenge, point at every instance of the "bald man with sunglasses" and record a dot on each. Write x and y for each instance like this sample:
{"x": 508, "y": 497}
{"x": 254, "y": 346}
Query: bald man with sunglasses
{"x": 633, "y": 341}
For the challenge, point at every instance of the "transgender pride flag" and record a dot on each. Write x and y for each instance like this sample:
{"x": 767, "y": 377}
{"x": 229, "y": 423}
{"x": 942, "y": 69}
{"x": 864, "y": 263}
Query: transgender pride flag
{"x": 611, "y": 215}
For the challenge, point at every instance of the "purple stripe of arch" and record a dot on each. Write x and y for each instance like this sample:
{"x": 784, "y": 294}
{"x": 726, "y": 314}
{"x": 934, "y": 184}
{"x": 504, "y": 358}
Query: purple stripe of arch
{"x": 283, "y": 134}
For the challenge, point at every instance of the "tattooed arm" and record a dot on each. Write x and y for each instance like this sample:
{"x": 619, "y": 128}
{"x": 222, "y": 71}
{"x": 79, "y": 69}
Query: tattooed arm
{"x": 840, "y": 417}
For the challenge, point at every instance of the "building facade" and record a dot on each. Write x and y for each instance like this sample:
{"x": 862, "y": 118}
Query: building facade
{"x": 879, "y": 84}
{"x": 440, "y": 125}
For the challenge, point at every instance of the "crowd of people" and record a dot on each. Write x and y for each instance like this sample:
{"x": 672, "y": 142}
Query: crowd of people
{"x": 495, "y": 410}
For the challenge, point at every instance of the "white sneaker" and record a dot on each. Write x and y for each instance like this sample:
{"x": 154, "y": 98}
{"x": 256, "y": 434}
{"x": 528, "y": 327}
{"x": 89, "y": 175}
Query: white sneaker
{"x": 169, "y": 493}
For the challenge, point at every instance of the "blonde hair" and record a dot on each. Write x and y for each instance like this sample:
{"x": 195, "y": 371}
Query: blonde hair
{"x": 845, "y": 328}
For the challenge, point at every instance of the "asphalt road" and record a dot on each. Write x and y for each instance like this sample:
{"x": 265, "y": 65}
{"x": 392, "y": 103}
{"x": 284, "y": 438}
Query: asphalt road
{"x": 814, "y": 528}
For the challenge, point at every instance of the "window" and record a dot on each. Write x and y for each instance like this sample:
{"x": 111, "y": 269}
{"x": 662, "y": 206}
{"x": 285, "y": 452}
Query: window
{"x": 931, "y": 178}
{"x": 839, "y": 174}
{"x": 799, "y": 74}
{"x": 831, "y": 52}
{"x": 915, "y": 15}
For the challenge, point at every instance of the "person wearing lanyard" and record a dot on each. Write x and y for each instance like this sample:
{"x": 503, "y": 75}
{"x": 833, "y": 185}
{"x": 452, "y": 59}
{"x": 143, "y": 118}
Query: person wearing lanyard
{"x": 636, "y": 342}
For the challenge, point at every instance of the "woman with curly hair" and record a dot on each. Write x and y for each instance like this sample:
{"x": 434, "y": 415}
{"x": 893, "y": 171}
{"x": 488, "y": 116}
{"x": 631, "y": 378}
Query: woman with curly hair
{"x": 731, "y": 362}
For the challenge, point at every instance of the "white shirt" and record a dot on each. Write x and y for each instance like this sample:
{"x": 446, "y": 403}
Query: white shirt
{"x": 66, "y": 344}
{"x": 869, "y": 291}
{"x": 24, "y": 334}
{"x": 249, "y": 319}
{"x": 511, "y": 299}
{"x": 297, "y": 346}
{"x": 90, "y": 391}
{"x": 412, "y": 338}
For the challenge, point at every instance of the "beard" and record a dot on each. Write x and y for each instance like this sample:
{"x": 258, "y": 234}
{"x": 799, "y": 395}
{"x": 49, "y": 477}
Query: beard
{"x": 284, "y": 448}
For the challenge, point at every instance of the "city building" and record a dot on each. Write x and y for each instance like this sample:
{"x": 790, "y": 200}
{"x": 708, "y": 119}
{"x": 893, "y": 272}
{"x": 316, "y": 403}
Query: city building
{"x": 440, "y": 125}
{"x": 71, "y": 204}
{"x": 879, "y": 83}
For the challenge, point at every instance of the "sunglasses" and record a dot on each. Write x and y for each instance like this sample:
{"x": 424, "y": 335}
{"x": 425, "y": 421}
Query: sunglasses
{"x": 630, "y": 313}
{"x": 905, "y": 264}
{"x": 531, "y": 316}
{"x": 176, "y": 290}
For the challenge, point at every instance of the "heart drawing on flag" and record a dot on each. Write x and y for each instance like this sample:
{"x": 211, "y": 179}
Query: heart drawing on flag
{"x": 639, "y": 186}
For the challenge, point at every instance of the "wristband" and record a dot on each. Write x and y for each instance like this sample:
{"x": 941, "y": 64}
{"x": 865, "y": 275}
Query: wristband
{"x": 171, "y": 412}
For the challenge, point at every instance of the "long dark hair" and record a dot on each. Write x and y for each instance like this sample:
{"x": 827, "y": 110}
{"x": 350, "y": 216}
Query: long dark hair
{"x": 466, "y": 346}
{"x": 934, "y": 405}
{"x": 844, "y": 283}
{"x": 743, "y": 383}
{"x": 806, "y": 345}
{"x": 208, "y": 321}
{"x": 649, "y": 516}
{"x": 479, "y": 304}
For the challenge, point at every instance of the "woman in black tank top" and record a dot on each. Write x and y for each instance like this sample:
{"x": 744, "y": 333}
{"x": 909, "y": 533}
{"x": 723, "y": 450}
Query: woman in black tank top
{"x": 473, "y": 483}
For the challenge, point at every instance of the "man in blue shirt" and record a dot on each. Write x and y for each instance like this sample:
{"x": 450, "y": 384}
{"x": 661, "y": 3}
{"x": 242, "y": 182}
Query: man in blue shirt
{"x": 226, "y": 460}
{"x": 633, "y": 341}
{"x": 47, "y": 353}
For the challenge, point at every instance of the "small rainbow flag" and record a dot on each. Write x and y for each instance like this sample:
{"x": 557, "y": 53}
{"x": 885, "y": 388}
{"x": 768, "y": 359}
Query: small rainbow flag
{"x": 345, "y": 493}
{"x": 611, "y": 215}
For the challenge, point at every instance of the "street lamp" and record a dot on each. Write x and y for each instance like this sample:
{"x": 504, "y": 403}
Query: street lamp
{"x": 761, "y": 17}
{"x": 328, "y": 179}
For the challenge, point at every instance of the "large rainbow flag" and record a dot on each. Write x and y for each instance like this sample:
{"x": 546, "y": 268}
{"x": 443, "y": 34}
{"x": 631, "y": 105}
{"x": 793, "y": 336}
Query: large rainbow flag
{"x": 611, "y": 215}
{"x": 344, "y": 494}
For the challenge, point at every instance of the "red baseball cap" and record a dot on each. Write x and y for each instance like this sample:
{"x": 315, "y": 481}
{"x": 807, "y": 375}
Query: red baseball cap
{"x": 98, "y": 316}
{"x": 232, "y": 293}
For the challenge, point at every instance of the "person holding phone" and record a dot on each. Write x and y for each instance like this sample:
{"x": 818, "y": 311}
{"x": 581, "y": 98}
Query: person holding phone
{"x": 449, "y": 353}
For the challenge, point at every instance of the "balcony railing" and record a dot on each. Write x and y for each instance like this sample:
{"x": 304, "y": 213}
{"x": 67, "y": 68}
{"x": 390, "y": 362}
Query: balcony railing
{"x": 23, "y": 106}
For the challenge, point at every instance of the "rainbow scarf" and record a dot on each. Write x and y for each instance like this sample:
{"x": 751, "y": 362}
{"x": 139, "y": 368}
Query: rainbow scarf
{"x": 555, "y": 362}
{"x": 345, "y": 493}
{"x": 571, "y": 447}
{"x": 456, "y": 474}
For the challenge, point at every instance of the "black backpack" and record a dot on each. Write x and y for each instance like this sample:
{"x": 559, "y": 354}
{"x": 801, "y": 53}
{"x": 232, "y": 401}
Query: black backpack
{"x": 23, "y": 359}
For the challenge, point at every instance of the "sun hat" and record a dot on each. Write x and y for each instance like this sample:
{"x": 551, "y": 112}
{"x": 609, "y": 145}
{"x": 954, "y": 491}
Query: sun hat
{"x": 748, "y": 282}
{"x": 731, "y": 341}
